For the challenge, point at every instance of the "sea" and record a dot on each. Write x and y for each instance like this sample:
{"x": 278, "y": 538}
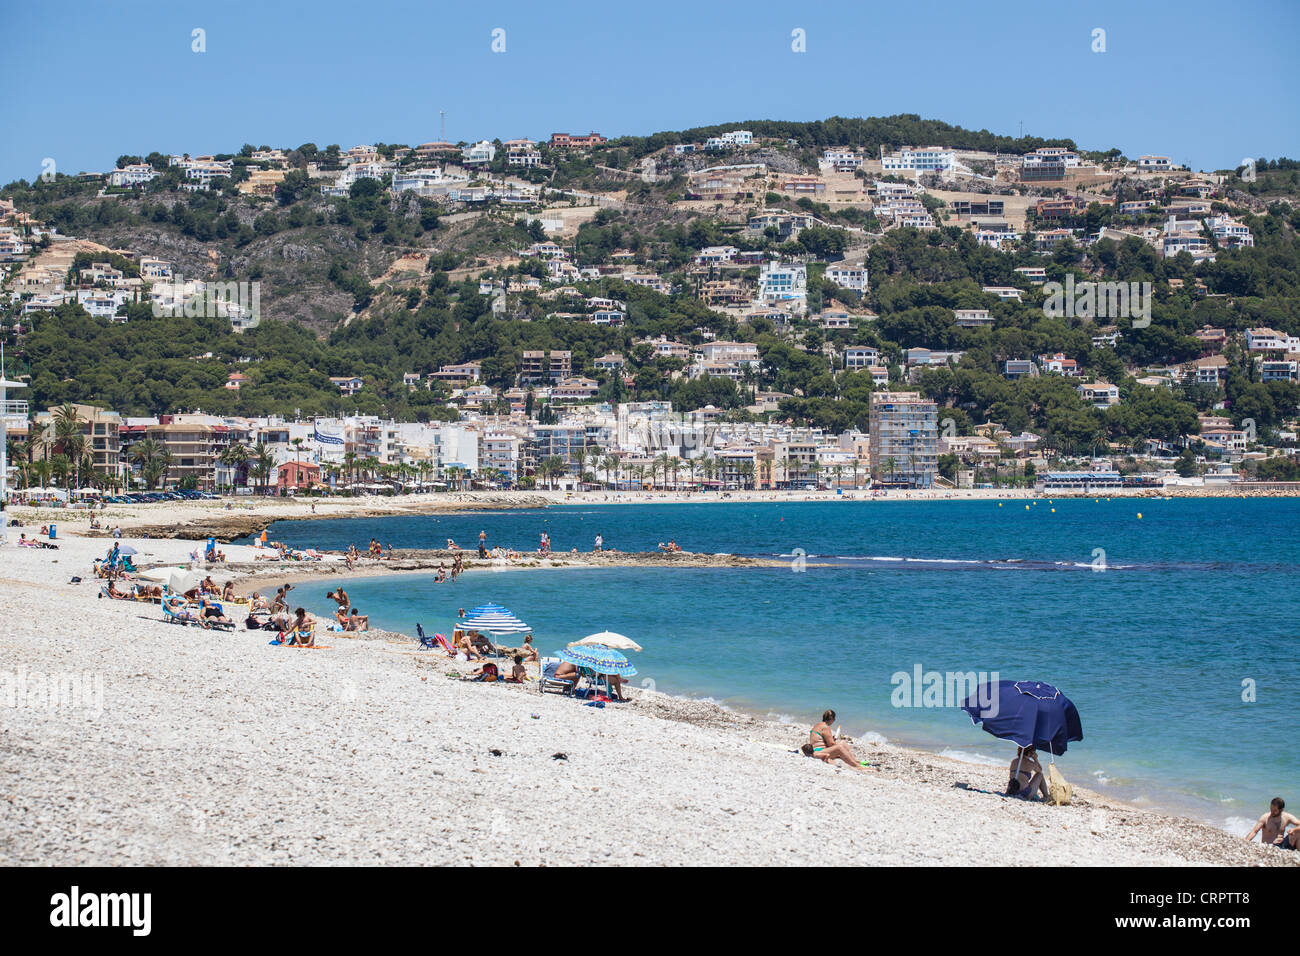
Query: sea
{"x": 1170, "y": 623}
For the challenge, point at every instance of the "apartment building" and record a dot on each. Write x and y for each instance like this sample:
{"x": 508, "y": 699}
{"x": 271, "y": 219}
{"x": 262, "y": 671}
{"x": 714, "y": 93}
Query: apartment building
{"x": 192, "y": 447}
{"x": 532, "y": 366}
{"x": 101, "y": 430}
{"x": 903, "y": 439}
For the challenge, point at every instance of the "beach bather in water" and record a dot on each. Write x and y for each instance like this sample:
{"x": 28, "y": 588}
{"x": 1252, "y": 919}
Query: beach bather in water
{"x": 823, "y": 745}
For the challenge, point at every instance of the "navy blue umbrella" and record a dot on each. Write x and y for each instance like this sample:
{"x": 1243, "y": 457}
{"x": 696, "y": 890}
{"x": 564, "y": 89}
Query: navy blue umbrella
{"x": 1028, "y": 712}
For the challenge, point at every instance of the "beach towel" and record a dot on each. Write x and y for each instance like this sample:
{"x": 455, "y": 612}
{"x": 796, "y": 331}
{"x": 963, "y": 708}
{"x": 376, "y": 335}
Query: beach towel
{"x": 1058, "y": 788}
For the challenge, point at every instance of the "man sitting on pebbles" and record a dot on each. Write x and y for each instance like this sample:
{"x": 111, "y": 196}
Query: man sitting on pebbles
{"x": 1272, "y": 827}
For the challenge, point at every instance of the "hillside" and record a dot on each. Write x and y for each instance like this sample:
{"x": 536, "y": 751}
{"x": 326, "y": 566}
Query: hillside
{"x": 377, "y": 283}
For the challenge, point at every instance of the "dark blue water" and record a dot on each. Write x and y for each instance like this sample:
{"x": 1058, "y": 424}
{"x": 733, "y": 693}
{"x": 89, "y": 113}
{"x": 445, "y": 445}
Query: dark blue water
{"x": 1197, "y": 597}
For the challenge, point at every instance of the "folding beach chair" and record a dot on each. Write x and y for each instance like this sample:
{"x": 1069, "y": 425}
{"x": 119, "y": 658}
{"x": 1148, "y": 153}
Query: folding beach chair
{"x": 177, "y": 611}
{"x": 426, "y": 643}
{"x": 548, "y": 679}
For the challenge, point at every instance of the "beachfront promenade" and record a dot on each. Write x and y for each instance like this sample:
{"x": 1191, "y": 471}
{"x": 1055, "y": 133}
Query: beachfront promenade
{"x": 199, "y": 747}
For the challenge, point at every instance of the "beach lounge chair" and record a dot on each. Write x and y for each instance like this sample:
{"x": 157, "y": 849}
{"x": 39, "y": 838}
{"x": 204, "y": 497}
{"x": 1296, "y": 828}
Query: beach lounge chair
{"x": 549, "y": 666}
{"x": 426, "y": 643}
{"x": 177, "y": 611}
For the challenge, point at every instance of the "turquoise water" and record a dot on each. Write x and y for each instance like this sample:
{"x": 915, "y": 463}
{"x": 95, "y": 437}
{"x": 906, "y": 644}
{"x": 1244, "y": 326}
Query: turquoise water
{"x": 1197, "y": 597}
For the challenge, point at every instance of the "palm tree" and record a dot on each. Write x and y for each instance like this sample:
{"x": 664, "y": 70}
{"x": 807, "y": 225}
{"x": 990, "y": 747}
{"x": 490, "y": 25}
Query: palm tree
{"x": 610, "y": 464}
{"x": 786, "y": 464}
{"x": 263, "y": 461}
{"x": 234, "y": 457}
{"x": 889, "y": 464}
{"x": 41, "y": 469}
{"x": 660, "y": 463}
{"x": 746, "y": 471}
{"x": 67, "y": 422}
{"x": 153, "y": 459}
{"x": 79, "y": 453}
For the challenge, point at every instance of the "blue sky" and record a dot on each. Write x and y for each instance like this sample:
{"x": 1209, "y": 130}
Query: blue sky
{"x": 1205, "y": 83}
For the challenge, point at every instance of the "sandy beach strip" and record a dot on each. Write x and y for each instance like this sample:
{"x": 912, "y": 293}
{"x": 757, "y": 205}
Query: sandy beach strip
{"x": 171, "y": 745}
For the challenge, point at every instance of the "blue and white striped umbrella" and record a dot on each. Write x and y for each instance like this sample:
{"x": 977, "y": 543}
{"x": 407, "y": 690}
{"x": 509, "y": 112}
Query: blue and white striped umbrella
{"x": 494, "y": 619}
{"x": 601, "y": 660}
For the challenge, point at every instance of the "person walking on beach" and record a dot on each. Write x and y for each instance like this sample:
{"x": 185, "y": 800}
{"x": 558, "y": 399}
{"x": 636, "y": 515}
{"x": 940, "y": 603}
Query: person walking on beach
{"x": 600, "y": 542}
{"x": 1272, "y": 827}
{"x": 823, "y": 745}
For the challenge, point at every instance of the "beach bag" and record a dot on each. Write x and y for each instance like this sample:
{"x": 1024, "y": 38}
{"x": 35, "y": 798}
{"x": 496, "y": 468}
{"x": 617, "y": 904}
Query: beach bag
{"x": 1058, "y": 788}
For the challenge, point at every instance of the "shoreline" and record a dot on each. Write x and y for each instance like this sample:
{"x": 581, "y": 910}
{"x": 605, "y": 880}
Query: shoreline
{"x": 247, "y": 516}
{"x": 384, "y": 736}
{"x": 1170, "y": 803}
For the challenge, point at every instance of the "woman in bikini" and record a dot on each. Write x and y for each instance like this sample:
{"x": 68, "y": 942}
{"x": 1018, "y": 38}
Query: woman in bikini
{"x": 823, "y": 745}
{"x": 1026, "y": 775}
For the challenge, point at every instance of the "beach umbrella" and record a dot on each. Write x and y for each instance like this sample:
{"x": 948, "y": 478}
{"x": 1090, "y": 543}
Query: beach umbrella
{"x": 182, "y": 579}
{"x": 127, "y": 550}
{"x": 600, "y": 660}
{"x": 495, "y": 619}
{"x": 496, "y": 624}
{"x": 1028, "y": 713}
{"x": 158, "y": 575}
{"x": 607, "y": 639}
{"x": 489, "y": 609}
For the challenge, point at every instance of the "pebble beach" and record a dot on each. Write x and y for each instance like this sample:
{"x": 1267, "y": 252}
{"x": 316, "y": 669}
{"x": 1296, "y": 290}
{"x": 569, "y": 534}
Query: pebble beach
{"x": 193, "y": 747}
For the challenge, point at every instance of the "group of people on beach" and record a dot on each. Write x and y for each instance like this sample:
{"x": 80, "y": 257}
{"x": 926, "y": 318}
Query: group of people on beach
{"x": 347, "y": 617}
{"x": 375, "y": 550}
{"x": 443, "y": 574}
